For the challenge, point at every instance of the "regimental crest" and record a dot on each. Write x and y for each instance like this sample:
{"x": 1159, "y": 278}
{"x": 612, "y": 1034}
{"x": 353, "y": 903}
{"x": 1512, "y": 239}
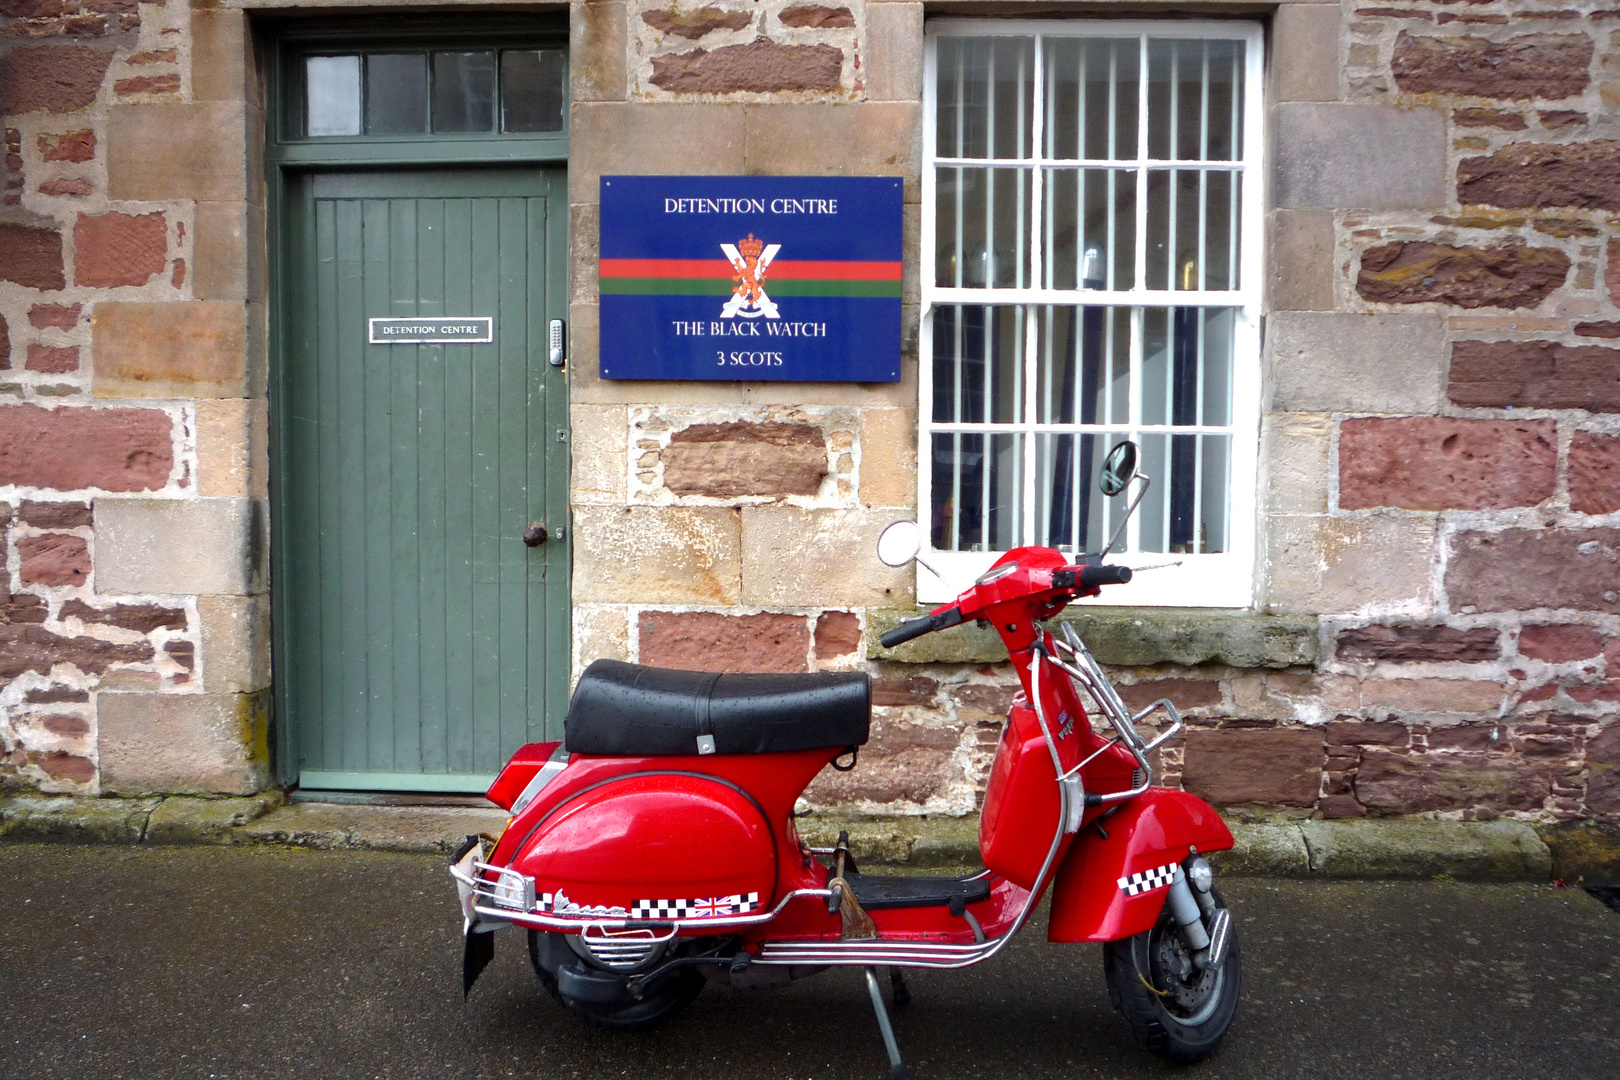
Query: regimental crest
{"x": 750, "y": 258}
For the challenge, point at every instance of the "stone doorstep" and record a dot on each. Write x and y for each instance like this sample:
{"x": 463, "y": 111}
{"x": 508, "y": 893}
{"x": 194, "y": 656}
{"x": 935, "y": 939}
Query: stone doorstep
{"x": 1407, "y": 848}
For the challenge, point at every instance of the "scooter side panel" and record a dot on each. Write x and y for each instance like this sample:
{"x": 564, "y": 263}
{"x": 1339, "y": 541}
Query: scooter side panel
{"x": 1113, "y": 886}
{"x": 640, "y": 845}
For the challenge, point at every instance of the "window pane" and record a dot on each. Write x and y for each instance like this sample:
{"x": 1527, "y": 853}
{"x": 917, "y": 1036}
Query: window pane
{"x": 464, "y": 91}
{"x": 986, "y": 93}
{"x": 1193, "y": 218}
{"x": 1195, "y": 99}
{"x": 1187, "y": 365}
{"x": 332, "y": 95}
{"x": 1188, "y": 513}
{"x": 977, "y": 483}
{"x": 1083, "y": 365}
{"x": 1070, "y": 513}
{"x": 982, "y": 220}
{"x": 978, "y": 364}
{"x": 1090, "y": 240}
{"x": 532, "y": 90}
{"x": 396, "y": 93}
{"x": 1092, "y": 87}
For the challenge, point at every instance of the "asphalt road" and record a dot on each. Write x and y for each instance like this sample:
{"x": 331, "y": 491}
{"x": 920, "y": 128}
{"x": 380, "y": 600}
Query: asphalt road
{"x": 245, "y": 963}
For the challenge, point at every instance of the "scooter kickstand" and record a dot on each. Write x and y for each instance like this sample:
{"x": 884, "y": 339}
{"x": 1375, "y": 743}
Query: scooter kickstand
{"x": 897, "y": 1068}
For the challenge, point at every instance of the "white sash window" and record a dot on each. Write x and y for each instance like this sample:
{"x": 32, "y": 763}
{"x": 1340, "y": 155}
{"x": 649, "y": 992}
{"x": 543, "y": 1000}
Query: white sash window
{"x": 1091, "y": 272}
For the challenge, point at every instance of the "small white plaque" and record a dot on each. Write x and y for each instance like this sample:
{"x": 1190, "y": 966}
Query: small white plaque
{"x": 440, "y": 331}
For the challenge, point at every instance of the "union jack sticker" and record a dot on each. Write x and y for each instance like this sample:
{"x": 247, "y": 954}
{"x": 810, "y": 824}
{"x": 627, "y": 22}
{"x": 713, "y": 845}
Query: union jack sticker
{"x": 1148, "y": 880}
{"x": 703, "y": 908}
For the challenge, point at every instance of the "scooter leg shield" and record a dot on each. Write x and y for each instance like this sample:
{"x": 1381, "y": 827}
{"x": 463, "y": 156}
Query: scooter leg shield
{"x": 1112, "y": 882}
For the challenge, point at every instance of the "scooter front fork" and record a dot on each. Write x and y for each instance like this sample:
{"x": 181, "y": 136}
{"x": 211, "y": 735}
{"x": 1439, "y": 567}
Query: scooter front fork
{"x": 897, "y": 1068}
{"x": 1206, "y": 928}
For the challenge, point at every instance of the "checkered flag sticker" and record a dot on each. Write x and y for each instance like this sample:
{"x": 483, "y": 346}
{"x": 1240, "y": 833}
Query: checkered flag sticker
{"x": 1147, "y": 880}
{"x": 712, "y": 907}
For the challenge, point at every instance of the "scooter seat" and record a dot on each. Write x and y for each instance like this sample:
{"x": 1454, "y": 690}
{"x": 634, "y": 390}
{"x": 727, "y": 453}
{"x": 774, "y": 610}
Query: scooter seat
{"x": 626, "y": 710}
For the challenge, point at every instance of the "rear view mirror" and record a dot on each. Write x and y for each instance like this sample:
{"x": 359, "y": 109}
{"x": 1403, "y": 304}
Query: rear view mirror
{"x": 899, "y": 543}
{"x": 1119, "y": 468}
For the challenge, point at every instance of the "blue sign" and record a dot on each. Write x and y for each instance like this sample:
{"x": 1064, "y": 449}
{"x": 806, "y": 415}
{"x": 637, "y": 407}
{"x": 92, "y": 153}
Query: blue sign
{"x": 751, "y": 277}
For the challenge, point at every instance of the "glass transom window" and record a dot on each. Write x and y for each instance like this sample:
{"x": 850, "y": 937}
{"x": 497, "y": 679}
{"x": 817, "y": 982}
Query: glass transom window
{"x": 453, "y": 91}
{"x": 1091, "y": 273}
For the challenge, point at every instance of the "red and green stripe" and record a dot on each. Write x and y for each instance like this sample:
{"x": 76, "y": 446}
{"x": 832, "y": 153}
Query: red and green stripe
{"x": 714, "y": 277}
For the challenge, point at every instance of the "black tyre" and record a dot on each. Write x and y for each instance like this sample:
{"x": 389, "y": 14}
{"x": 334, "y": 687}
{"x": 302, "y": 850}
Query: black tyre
{"x": 1175, "y": 1011}
{"x": 668, "y": 998}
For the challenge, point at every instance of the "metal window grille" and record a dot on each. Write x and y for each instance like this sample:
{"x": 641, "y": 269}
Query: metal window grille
{"x": 1091, "y": 211}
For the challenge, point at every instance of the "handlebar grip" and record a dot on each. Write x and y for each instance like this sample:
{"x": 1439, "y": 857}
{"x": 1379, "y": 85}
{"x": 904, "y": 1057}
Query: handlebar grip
{"x": 923, "y": 624}
{"x": 1093, "y": 576}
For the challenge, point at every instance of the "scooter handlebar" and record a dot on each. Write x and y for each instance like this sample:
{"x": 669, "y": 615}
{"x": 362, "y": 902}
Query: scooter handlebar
{"x": 1093, "y": 576}
{"x": 916, "y": 628}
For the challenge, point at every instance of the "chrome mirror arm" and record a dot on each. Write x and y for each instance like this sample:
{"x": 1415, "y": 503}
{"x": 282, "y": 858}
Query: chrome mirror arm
{"x": 1119, "y": 529}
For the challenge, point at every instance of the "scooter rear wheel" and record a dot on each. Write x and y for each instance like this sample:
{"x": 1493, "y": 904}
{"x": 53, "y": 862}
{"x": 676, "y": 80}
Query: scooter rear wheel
{"x": 671, "y": 996}
{"x": 1174, "y": 1011}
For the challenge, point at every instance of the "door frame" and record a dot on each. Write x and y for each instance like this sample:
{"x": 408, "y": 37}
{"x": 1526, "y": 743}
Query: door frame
{"x": 286, "y": 154}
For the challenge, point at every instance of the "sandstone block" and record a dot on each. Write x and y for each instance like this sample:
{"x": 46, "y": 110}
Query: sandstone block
{"x": 1305, "y": 53}
{"x": 1347, "y": 565}
{"x": 1420, "y": 272}
{"x": 1535, "y": 374}
{"x": 1531, "y": 66}
{"x": 1264, "y": 850}
{"x": 235, "y": 643}
{"x": 31, "y": 257}
{"x": 1446, "y": 463}
{"x": 76, "y": 821}
{"x": 1611, "y": 270}
{"x": 893, "y": 52}
{"x": 119, "y": 249}
{"x": 903, "y": 762}
{"x": 873, "y": 139}
{"x": 817, "y": 17}
{"x": 1360, "y": 733}
{"x": 59, "y": 187}
{"x": 698, "y": 23}
{"x": 724, "y": 461}
{"x": 1526, "y": 569}
{"x": 657, "y": 555}
{"x": 818, "y": 557}
{"x": 911, "y": 691}
{"x": 51, "y": 78}
{"x": 1426, "y": 696}
{"x": 1594, "y": 473}
{"x": 1332, "y": 362}
{"x": 57, "y": 316}
{"x": 53, "y": 559}
{"x": 1496, "y": 118}
{"x": 52, "y": 360}
{"x": 179, "y": 151}
{"x": 233, "y": 456}
{"x": 195, "y": 349}
{"x": 56, "y": 515}
{"x": 183, "y": 743}
{"x": 1301, "y": 264}
{"x": 210, "y": 546}
{"x": 708, "y": 641}
{"x": 1467, "y": 851}
{"x": 228, "y": 256}
{"x": 1186, "y": 694}
{"x": 596, "y": 52}
{"x": 1364, "y": 156}
{"x": 30, "y": 647}
{"x": 651, "y": 139}
{"x": 599, "y": 435}
{"x": 760, "y": 67}
{"x": 1271, "y": 766}
{"x": 601, "y": 632}
{"x": 1407, "y": 784}
{"x": 584, "y": 282}
{"x": 838, "y": 633}
{"x": 1294, "y": 457}
{"x": 72, "y": 449}
{"x": 1520, "y": 175}
{"x": 1558, "y": 644}
{"x": 141, "y": 618}
{"x": 1419, "y": 644}
{"x": 5, "y": 344}
{"x": 179, "y": 820}
{"x": 888, "y": 457}
{"x": 222, "y": 62}
{"x": 73, "y": 146}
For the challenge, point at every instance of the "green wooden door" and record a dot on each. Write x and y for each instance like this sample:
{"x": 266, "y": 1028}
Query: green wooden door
{"x": 422, "y": 640}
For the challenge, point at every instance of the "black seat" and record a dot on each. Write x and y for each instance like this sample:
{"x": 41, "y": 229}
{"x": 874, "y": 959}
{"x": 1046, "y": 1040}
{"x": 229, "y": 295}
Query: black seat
{"x": 876, "y": 893}
{"x": 626, "y": 710}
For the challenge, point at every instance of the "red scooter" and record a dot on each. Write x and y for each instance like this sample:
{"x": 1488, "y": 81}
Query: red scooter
{"x": 654, "y": 851}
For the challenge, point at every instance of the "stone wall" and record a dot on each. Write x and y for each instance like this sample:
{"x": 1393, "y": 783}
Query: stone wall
{"x": 133, "y": 620}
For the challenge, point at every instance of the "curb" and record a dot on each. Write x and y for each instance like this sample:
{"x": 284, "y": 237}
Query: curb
{"x": 1369, "y": 848}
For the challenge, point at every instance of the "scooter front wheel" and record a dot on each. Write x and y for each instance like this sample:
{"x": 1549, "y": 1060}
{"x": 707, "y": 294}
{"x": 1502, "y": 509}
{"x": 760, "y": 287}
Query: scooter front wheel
{"x": 1173, "y": 1009}
{"x": 671, "y": 996}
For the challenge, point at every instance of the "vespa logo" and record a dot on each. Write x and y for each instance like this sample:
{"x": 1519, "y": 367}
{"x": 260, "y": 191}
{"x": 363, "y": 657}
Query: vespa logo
{"x": 750, "y": 258}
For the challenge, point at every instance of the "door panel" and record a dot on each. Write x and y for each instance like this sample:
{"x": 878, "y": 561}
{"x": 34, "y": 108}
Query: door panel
{"x": 423, "y": 641}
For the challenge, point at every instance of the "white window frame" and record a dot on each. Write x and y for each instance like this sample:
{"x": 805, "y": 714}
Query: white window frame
{"x": 1225, "y": 579}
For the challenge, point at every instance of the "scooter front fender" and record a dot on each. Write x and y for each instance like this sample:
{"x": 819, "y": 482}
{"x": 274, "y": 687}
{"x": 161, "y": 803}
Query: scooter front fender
{"x": 1112, "y": 882}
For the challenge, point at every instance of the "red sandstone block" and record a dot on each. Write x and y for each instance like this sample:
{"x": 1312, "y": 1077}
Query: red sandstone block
{"x": 71, "y": 186}
{"x": 1594, "y": 473}
{"x": 1446, "y": 463}
{"x": 1275, "y": 766}
{"x": 54, "y": 559}
{"x": 119, "y": 249}
{"x": 1560, "y": 644}
{"x": 1524, "y": 569}
{"x": 55, "y": 361}
{"x": 51, "y": 78}
{"x": 1533, "y": 66}
{"x": 148, "y": 84}
{"x": 42, "y": 316}
{"x": 69, "y": 146}
{"x": 707, "y": 641}
{"x": 71, "y": 449}
{"x": 31, "y": 257}
{"x": 838, "y": 633}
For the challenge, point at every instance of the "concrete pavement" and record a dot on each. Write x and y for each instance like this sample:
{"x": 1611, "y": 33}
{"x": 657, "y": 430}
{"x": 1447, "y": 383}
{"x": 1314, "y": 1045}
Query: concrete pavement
{"x": 148, "y": 962}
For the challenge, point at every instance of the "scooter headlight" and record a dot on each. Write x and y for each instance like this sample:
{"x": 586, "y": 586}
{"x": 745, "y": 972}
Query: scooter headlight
{"x": 513, "y": 891}
{"x": 1199, "y": 875}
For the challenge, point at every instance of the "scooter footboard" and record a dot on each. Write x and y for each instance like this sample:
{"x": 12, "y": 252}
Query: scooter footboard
{"x": 1112, "y": 882}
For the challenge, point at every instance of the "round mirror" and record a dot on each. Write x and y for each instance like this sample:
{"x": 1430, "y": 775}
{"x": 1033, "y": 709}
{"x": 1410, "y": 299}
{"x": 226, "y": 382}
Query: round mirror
{"x": 1118, "y": 468}
{"x": 899, "y": 543}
